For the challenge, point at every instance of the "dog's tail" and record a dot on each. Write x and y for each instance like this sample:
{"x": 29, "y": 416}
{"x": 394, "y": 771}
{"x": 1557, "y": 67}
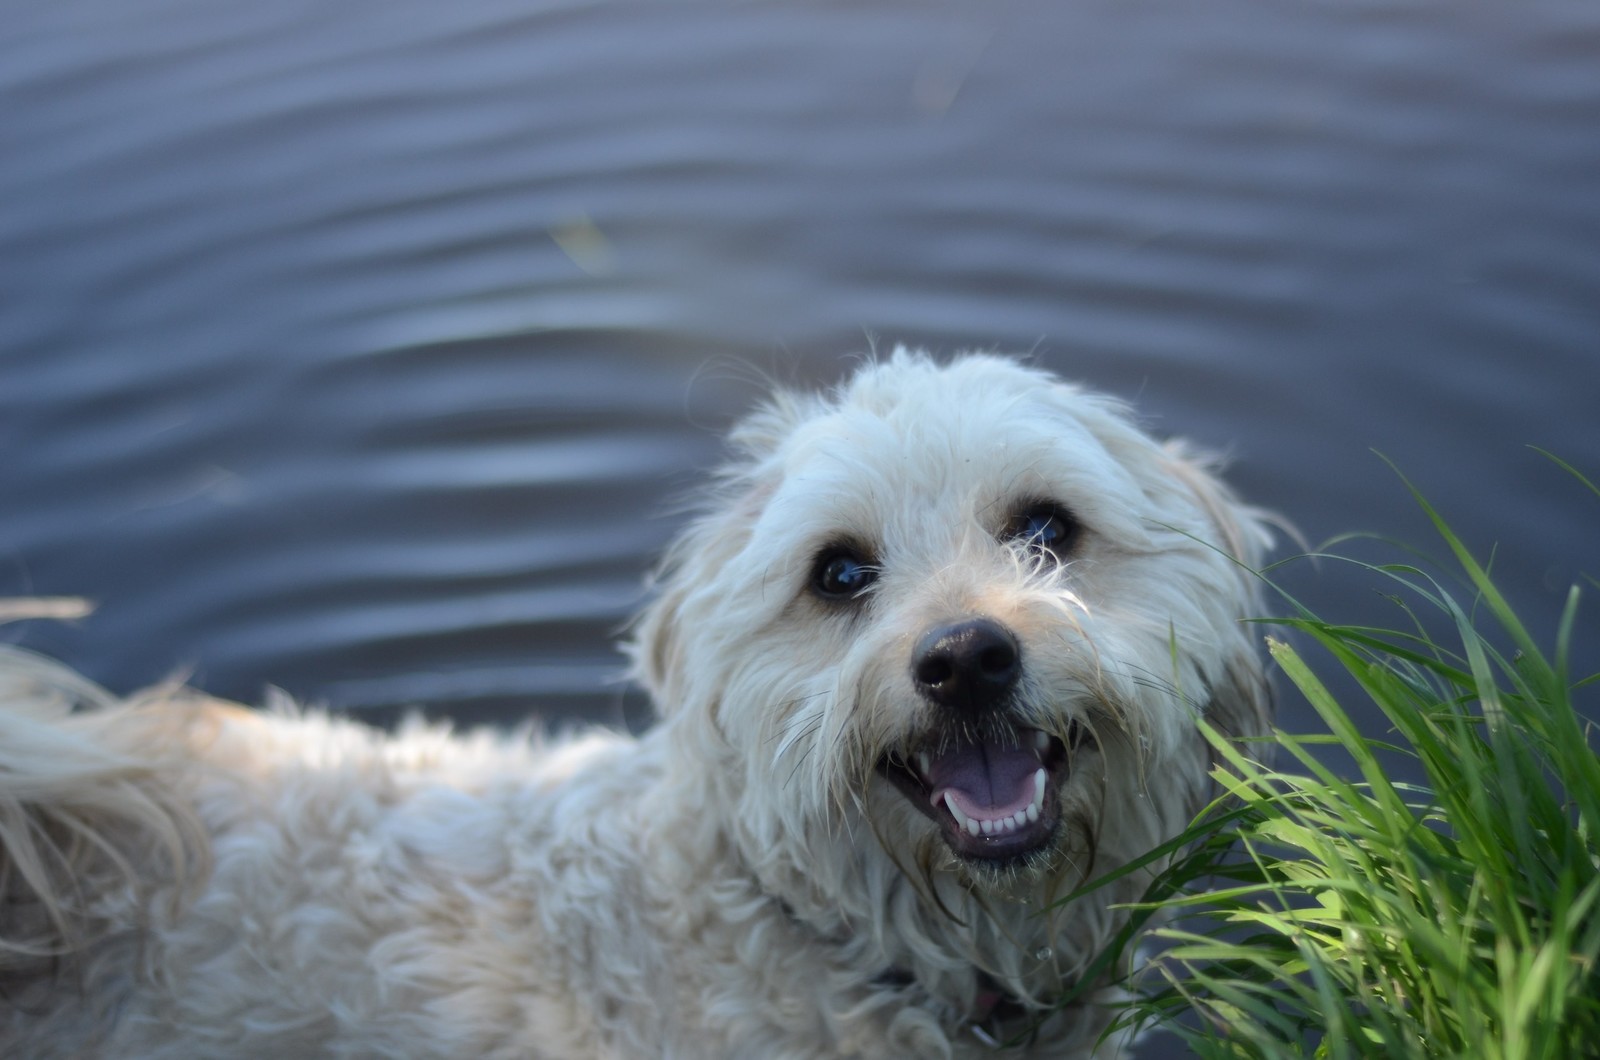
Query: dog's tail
{"x": 93, "y": 832}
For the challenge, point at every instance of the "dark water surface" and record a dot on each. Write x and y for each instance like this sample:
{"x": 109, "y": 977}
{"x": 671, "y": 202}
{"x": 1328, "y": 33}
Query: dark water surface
{"x": 361, "y": 347}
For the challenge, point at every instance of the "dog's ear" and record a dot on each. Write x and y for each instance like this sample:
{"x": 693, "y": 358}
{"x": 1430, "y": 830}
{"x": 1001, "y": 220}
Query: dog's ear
{"x": 684, "y": 600}
{"x": 652, "y": 645}
{"x": 657, "y": 641}
{"x": 1243, "y": 532}
{"x": 1240, "y": 702}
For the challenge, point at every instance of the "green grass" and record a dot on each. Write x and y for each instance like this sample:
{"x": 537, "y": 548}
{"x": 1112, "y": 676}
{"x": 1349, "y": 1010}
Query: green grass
{"x": 1334, "y": 912}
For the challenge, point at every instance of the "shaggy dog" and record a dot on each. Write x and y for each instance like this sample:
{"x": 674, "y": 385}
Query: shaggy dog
{"x": 932, "y": 657}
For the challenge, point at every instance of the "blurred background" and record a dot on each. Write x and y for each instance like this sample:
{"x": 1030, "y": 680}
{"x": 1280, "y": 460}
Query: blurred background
{"x": 365, "y": 347}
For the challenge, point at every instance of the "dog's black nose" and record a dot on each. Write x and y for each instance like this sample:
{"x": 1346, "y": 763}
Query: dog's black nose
{"x": 969, "y": 666}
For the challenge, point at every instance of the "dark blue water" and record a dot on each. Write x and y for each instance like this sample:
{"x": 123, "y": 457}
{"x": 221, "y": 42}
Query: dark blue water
{"x": 361, "y": 346}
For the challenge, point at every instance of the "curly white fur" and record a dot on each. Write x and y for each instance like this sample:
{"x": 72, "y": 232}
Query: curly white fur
{"x": 181, "y": 877}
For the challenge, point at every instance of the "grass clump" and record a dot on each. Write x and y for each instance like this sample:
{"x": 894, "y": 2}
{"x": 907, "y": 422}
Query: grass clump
{"x": 1342, "y": 913}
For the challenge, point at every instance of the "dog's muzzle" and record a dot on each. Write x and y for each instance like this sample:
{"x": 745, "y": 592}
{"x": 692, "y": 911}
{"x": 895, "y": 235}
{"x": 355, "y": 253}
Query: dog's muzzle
{"x": 988, "y": 780}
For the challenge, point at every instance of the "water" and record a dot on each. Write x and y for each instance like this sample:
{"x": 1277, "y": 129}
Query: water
{"x": 362, "y": 348}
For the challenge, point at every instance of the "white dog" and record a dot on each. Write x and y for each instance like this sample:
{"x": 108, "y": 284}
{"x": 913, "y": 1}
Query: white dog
{"x": 932, "y": 657}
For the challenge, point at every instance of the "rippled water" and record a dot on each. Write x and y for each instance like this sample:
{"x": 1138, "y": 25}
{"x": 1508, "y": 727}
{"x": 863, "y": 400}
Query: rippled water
{"x": 362, "y": 347}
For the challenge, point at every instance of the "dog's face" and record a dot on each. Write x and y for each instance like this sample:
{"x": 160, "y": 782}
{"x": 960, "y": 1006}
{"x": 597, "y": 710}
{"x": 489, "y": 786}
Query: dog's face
{"x": 967, "y": 610}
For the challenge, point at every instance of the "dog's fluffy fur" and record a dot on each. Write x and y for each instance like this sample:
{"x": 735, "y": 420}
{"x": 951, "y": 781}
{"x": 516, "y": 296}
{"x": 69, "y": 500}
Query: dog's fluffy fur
{"x": 775, "y": 869}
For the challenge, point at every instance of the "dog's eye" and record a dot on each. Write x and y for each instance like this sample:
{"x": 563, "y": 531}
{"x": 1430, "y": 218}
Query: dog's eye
{"x": 1045, "y": 528}
{"x": 841, "y": 573}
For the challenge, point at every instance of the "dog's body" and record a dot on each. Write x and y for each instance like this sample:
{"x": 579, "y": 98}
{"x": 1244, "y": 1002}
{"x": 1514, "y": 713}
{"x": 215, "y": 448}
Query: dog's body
{"x": 932, "y": 658}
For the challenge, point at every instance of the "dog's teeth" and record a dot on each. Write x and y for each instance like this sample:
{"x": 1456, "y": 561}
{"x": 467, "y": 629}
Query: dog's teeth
{"x": 1039, "y": 779}
{"x": 1004, "y": 825}
{"x": 962, "y": 820}
{"x": 1041, "y": 741}
{"x": 922, "y": 762}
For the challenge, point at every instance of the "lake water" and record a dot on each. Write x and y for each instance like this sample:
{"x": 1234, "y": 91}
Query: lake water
{"x": 362, "y": 347}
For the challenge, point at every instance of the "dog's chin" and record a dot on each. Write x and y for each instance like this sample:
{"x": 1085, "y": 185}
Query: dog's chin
{"x": 994, "y": 795}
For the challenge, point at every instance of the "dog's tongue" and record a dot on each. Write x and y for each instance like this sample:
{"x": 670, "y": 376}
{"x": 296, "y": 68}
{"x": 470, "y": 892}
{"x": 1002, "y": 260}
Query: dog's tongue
{"x": 987, "y": 780}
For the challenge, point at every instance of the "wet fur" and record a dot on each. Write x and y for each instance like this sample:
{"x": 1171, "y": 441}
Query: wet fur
{"x": 181, "y": 877}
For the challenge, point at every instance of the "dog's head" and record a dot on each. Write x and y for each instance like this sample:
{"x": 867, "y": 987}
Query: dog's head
{"x": 960, "y": 618}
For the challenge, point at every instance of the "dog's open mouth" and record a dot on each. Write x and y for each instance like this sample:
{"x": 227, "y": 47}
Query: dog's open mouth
{"x": 994, "y": 795}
